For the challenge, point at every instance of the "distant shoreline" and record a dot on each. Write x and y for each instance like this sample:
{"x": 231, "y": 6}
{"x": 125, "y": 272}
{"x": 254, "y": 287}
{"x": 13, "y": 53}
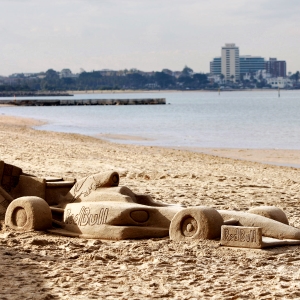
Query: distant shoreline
{"x": 174, "y": 91}
{"x": 72, "y": 93}
{"x": 34, "y": 94}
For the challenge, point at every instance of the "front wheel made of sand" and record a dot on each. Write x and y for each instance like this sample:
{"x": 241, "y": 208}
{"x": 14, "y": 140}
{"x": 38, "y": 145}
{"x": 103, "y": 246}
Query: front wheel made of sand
{"x": 28, "y": 213}
{"x": 270, "y": 212}
{"x": 199, "y": 222}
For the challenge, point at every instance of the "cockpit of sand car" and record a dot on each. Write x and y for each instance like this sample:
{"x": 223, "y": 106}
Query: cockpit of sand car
{"x": 97, "y": 207}
{"x": 92, "y": 207}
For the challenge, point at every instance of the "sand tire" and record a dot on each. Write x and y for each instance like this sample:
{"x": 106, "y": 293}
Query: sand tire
{"x": 28, "y": 213}
{"x": 199, "y": 222}
{"x": 270, "y": 212}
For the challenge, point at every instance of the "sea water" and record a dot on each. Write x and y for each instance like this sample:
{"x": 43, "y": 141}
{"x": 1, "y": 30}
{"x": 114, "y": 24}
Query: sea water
{"x": 245, "y": 119}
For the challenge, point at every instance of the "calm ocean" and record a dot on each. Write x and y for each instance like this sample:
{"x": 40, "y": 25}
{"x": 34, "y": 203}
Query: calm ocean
{"x": 248, "y": 119}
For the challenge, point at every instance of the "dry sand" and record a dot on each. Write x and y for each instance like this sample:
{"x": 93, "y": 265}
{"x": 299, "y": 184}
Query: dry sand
{"x": 36, "y": 265}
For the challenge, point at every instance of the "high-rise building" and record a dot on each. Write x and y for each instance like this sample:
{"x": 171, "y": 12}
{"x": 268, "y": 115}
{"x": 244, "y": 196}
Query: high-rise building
{"x": 248, "y": 64}
{"x": 215, "y": 66}
{"x": 230, "y": 62}
{"x": 277, "y": 68}
{"x": 251, "y": 64}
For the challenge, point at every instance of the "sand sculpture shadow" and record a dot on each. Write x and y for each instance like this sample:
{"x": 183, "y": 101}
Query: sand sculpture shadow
{"x": 97, "y": 207}
{"x": 23, "y": 272}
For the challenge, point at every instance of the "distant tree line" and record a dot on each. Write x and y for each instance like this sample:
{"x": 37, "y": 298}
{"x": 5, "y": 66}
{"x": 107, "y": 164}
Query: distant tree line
{"x": 51, "y": 81}
{"x": 96, "y": 81}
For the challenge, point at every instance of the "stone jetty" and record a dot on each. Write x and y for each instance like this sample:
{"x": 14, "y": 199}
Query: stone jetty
{"x": 64, "y": 102}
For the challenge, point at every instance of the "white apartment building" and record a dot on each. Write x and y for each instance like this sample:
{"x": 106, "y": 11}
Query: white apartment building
{"x": 230, "y": 62}
{"x": 215, "y": 79}
{"x": 258, "y": 75}
{"x": 280, "y": 82}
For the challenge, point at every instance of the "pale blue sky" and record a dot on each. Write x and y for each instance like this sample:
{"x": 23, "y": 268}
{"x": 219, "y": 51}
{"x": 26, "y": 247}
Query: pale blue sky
{"x": 145, "y": 34}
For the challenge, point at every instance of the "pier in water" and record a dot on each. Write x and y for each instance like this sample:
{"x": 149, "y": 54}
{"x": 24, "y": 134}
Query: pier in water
{"x": 58, "y": 102}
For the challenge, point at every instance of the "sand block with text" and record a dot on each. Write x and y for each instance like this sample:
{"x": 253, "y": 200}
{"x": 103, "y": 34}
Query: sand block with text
{"x": 240, "y": 236}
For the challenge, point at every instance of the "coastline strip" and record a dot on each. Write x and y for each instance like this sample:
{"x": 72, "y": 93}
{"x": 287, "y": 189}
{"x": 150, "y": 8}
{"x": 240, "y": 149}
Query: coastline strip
{"x": 279, "y": 157}
{"x": 20, "y": 121}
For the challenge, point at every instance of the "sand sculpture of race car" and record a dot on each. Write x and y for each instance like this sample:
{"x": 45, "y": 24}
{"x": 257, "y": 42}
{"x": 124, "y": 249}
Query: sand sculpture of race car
{"x": 97, "y": 207}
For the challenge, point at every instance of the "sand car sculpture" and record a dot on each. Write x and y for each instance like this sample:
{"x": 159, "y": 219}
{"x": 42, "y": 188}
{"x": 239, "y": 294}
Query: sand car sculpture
{"x": 97, "y": 207}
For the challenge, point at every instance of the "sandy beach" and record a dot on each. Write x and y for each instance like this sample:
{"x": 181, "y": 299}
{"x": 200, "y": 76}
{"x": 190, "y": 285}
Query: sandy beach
{"x": 37, "y": 265}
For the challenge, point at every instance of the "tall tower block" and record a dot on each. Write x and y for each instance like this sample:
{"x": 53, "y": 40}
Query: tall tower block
{"x": 230, "y": 65}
